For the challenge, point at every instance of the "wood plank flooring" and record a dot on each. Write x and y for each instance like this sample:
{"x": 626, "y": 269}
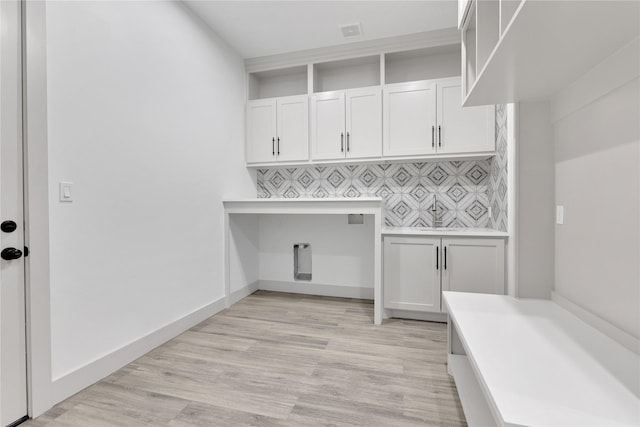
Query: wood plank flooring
{"x": 277, "y": 359}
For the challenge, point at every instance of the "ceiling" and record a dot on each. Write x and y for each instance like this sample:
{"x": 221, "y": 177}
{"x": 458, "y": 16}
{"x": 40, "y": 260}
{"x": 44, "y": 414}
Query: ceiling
{"x": 260, "y": 28}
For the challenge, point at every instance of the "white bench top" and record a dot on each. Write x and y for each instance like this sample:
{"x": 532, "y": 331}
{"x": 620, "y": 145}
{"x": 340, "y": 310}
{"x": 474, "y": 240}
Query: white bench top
{"x": 539, "y": 365}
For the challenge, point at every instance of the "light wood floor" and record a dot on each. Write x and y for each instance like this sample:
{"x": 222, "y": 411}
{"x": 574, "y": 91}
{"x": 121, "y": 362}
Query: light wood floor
{"x": 279, "y": 359}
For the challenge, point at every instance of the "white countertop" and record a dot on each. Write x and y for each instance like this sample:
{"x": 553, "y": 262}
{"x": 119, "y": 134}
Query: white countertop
{"x": 542, "y": 366}
{"x": 443, "y": 231}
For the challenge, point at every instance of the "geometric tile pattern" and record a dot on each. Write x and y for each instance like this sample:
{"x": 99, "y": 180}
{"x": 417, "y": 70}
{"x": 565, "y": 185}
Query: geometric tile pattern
{"x": 460, "y": 187}
{"x": 498, "y": 168}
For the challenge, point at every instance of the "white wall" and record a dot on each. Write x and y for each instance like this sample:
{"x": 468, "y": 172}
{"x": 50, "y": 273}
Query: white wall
{"x": 535, "y": 200}
{"x": 146, "y": 118}
{"x": 342, "y": 254}
{"x": 597, "y": 151}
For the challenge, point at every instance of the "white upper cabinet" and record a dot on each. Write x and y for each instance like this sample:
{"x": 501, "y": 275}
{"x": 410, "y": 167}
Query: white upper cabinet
{"x": 409, "y": 119}
{"x": 398, "y": 105}
{"x": 292, "y": 142}
{"x": 462, "y": 130}
{"x": 427, "y": 117}
{"x": 278, "y": 130}
{"x": 346, "y": 124}
{"x": 261, "y": 131}
{"x": 364, "y": 123}
{"x": 328, "y": 126}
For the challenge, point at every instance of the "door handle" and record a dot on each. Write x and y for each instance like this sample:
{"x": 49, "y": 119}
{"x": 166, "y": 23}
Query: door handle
{"x": 273, "y": 146}
{"x": 342, "y": 142}
{"x": 10, "y": 254}
{"x": 278, "y": 146}
{"x": 439, "y": 136}
{"x": 347, "y": 142}
{"x": 433, "y": 138}
{"x": 437, "y": 256}
{"x": 445, "y": 257}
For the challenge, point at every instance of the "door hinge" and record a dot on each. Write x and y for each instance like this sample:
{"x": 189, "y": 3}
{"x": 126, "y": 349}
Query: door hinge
{"x": 26, "y": 251}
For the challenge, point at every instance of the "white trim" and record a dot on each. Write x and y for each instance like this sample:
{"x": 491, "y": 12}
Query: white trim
{"x": 621, "y": 337}
{"x": 36, "y": 207}
{"x": 417, "y": 315}
{"x": 384, "y": 159}
{"x": 513, "y": 168}
{"x": 243, "y": 292}
{"x": 426, "y": 39}
{"x": 308, "y": 288}
{"x": 94, "y": 371}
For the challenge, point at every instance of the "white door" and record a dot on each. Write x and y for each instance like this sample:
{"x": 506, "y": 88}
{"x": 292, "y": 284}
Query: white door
{"x": 328, "y": 126}
{"x": 364, "y": 123}
{"x": 462, "y": 130}
{"x": 261, "y": 131}
{"x": 409, "y": 119}
{"x": 473, "y": 265}
{"x": 13, "y": 367}
{"x": 292, "y": 141}
{"x": 412, "y": 268}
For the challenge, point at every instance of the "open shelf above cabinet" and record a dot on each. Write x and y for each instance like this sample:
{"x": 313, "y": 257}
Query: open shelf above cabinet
{"x": 278, "y": 83}
{"x": 422, "y": 64}
{"x": 526, "y": 50}
{"x": 346, "y": 74}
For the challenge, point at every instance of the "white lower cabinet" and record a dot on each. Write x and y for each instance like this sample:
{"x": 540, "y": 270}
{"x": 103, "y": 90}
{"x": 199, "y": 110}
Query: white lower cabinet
{"x": 473, "y": 265}
{"x": 412, "y": 273}
{"x": 417, "y": 269}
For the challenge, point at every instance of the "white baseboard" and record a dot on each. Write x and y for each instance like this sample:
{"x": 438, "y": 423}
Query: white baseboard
{"x": 308, "y": 288}
{"x": 71, "y": 383}
{"x": 417, "y": 315}
{"x": 243, "y": 292}
{"x": 597, "y": 322}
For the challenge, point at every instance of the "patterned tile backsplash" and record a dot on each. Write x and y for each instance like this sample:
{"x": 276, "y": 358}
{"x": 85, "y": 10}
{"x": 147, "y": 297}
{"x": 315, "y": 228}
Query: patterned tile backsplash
{"x": 460, "y": 188}
{"x": 498, "y": 168}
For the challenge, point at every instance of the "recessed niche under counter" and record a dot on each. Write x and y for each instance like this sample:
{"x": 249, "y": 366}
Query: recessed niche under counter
{"x": 260, "y": 234}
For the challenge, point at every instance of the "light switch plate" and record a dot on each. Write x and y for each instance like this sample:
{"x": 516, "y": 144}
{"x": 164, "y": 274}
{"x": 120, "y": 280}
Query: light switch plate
{"x": 66, "y": 194}
{"x": 559, "y": 214}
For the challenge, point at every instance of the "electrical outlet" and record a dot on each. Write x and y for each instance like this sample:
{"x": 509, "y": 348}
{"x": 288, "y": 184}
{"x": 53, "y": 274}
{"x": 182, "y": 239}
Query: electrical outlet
{"x": 559, "y": 214}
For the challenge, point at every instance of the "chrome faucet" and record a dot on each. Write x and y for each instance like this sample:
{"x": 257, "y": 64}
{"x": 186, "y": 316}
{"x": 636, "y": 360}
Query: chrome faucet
{"x": 435, "y": 222}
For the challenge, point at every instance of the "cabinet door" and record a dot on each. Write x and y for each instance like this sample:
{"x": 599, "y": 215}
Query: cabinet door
{"x": 473, "y": 265}
{"x": 411, "y": 273}
{"x": 364, "y": 123}
{"x": 409, "y": 119}
{"x": 462, "y": 130}
{"x": 328, "y": 126}
{"x": 261, "y": 131}
{"x": 292, "y": 142}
